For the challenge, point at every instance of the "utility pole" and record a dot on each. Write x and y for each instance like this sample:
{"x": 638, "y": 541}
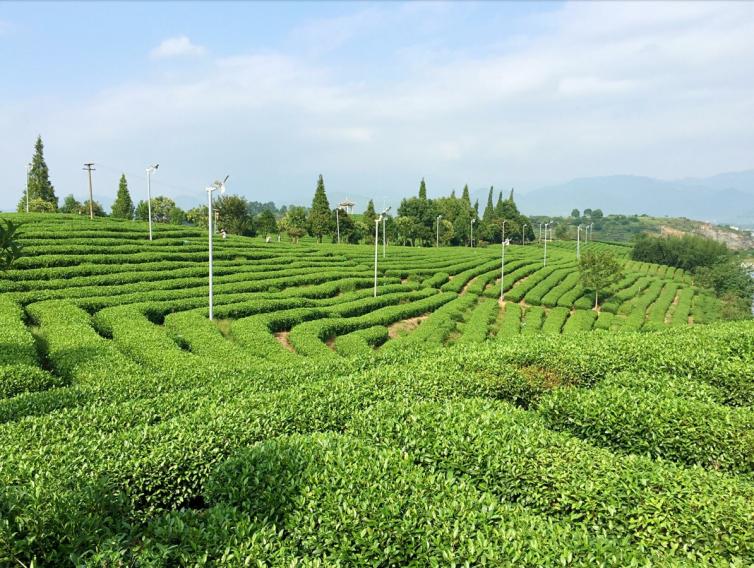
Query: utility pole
{"x": 89, "y": 168}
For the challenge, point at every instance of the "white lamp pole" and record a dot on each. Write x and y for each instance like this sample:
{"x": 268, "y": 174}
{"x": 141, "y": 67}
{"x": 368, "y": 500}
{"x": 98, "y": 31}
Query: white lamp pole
{"x": 211, "y": 189}
{"x": 545, "y": 260}
{"x": 591, "y": 231}
{"x": 471, "y": 240}
{"x": 150, "y": 169}
{"x": 502, "y": 264}
{"x": 28, "y": 172}
{"x": 376, "y": 243}
{"x": 523, "y": 234}
{"x": 337, "y": 222}
{"x": 438, "y": 230}
{"x": 578, "y": 242}
{"x": 384, "y": 236}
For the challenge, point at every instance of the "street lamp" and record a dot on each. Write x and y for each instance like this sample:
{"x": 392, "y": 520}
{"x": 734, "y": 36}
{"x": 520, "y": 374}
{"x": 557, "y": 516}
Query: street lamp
{"x": 523, "y": 234}
{"x": 150, "y": 169}
{"x": 502, "y": 263}
{"x": 471, "y": 240}
{"x": 337, "y": 222}
{"x": 28, "y": 172}
{"x": 215, "y": 186}
{"x": 578, "y": 242}
{"x": 545, "y": 259}
{"x": 591, "y": 231}
{"x": 376, "y": 243}
{"x": 384, "y": 235}
{"x": 438, "y": 231}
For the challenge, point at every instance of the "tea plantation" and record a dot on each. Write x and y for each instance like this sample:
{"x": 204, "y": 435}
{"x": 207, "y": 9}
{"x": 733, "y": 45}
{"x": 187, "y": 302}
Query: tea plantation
{"x": 313, "y": 424}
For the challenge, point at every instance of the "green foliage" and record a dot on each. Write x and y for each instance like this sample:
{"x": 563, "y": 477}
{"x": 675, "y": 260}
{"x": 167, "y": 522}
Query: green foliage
{"x": 233, "y": 215}
{"x": 320, "y": 216}
{"x": 123, "y": 207}
{"x": 40, "y": 188}
{"x": 10, "y": 247}
{"x": 598, "y": 269}
{"x": 71, "y": 205}
{"x": 295, "y": 223}
{"x": 266, "y": 223}
{"x": 688, "y": 252}
{"x": 164, "y": 210}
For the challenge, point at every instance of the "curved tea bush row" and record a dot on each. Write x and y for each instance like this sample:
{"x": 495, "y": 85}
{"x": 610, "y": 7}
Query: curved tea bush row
{"x": 532, "y": 322}
{"x": 440, "y": 324}
{"x": 373, "y": 505}
{"x": 511, "y": 322}
{"x": 361, "y": 342}
{"x": 460, "y": 280}
{"x": 477, "y": 327}
{"x": 579, "y": 321}
{"x": 658, "y": 425}
{"x": 16, "y": 343}
{"x": 605, "y": 321}
{"x": 639, "y": 305}
{"x": 683, "y": 308}
{"x": 535, "y": 295}
{"x": 566, "y": 285}
{"x": 657, "y": 312}
{"x": 94, "y": 482}
{"x": 512, "y": 454}
{"x": 308, "y": 337}
{"x": 555, "y": 320}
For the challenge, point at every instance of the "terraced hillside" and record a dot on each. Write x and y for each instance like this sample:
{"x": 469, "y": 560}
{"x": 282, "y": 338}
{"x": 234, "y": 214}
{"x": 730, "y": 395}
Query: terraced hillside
{"x": 314, "y": 424}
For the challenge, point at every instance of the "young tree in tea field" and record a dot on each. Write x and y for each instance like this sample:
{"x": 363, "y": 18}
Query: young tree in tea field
{"x": 597, "y": 270}
{"x": 320, "y": 216}
{"x": 265, "y": 222}
{"x": 123, "y": 208}
{"x": 71, "y": 205}
{"x": 294, "y": 223}
{"x": 40, "y": 187}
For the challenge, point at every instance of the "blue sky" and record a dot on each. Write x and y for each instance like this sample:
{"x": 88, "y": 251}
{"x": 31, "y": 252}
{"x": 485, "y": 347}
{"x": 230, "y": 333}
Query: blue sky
{"x": 372, "y": 95}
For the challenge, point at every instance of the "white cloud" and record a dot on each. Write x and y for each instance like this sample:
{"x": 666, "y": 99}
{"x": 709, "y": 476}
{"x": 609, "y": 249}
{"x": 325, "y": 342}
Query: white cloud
{"x": 176, "y": 47}
{"x": 616, "y": 89}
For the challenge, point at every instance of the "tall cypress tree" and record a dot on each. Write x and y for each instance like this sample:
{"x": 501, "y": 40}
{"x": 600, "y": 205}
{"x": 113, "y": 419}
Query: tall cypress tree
{"x": 422, "y": 190}
{"x": 466, "y": 197}
{"x": 320, "y": 216}
{"x": 370, "y": 216}
{"x": 499, "y": 206}
{"x": 489, "y": 210}
{"x": 123, "y": 208}
{"x": 39, "y": 180}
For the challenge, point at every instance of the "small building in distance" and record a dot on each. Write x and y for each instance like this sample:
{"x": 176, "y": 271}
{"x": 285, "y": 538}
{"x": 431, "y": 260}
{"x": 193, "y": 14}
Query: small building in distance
{"x": 346, "y": 205}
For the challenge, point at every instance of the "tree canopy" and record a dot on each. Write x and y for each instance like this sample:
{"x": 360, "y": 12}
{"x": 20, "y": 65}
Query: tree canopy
{"x": 123, "y": 208}
{"x": 40, "y": 187}
{"x": 320, "y": 216}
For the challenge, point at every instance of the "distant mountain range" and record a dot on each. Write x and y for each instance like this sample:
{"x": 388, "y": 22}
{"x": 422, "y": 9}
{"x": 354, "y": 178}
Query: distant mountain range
{"x": 724, "y": 198}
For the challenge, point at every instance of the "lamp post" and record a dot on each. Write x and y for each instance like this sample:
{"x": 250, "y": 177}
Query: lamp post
{"x": 591, "y": 231}
{"x": 471, "y": 239}
{"x": 545, "y": 259}
{"x": 523, "y": 234}
{"x": 384, "y": 235}
{"x": 211, "y": 189}
{"x": 150, "y": 169}
{"x": 376, "y": 243}
{"x": 28, "y": 172}
{"x": 337, "y": 222}
{"x": 438, "y": 231}
{"x": 578, "y": 242}
{"x": 502, "y": 264}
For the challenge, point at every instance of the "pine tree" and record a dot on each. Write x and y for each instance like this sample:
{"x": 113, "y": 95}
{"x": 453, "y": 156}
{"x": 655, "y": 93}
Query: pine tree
{"x": 123, "y": 208}
{"x": 489, "y": 210}
{"x": 320, "y": 218}
{"x": 499, "y": 206}
{"x": 422, "y": 190}
{"x": 39, "y": 180}
{"x": 465, "y": 197}
{"x": 370, "y": 216}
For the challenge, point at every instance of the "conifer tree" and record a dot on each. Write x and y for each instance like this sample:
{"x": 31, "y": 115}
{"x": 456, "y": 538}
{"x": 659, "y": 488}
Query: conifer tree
{"x": 40, "y": 187}
{"x": 489, "y": 210}
{"x": 123, "y": 208}
{"x": 465, "y": 197}
{"x": 320, "y": 217}
{"x": 422, "y": 190}
{"x": 499, "y": 206}
{"x": 370, "y": 216}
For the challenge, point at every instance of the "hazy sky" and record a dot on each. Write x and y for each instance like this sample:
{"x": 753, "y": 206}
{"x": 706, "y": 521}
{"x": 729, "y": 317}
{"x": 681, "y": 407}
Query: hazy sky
{"x": 373, "y": 96}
